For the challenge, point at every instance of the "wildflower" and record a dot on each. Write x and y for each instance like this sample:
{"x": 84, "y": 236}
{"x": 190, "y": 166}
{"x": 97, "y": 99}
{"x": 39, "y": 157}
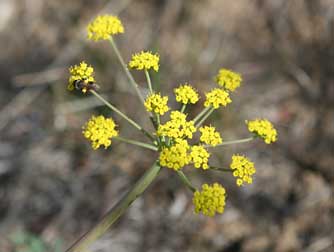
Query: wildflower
{"x": 228, "y": 79}
{"x": 200, "y": 157}
{"x": 81, "y": 72}
{"x": 210, "y": 200}
{"x": 264, "y": 129}
{"x": 145, "y": 61}
{"x": 243, "y": 169}
{"x": 217, "y": 97}
{"x": 177, "y": 126}
{"x": 157, "y": 104}
{"x": 176, "y": 156}
{"x": 99, "y": 130}
{"x": 186, "y": 94}
{"x": 102, "y": 27}
{"x": 210, "y": 136}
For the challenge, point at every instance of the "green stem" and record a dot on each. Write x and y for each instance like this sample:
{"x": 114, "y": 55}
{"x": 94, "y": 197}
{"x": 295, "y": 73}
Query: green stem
{"x": 148, "y": 81}
{"x": 201, "y": 114}
{"x": 186, "y": 181}
{"x": 141, "y": 144}
{"x": 126, "y": 70}
{"x": 221, "y": 169}
{"x": 204, "y": 117}
{"x": 117, "y": 211}
{"x": 183, "y": 108}
{"x": 244, "y": 140}
{"x": 133, "y": 123}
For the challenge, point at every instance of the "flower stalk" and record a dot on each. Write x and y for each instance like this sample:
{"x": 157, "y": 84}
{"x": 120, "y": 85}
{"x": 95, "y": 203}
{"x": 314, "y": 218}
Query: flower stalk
{"x": 244, "y": 140}
{"x": 133, "y": 142}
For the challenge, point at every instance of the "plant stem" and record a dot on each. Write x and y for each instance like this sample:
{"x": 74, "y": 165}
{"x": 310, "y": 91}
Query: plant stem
{"x": 183, "y": 108}
{"x": 117, "y": 211}
{"x": 186, "y": 181}
{"x": 126, "y": 70}
{"x": 201, "y": 114}
{"x": 141, "y": 144}
{"x": 204, "y": 117}
{"x": 148, "y": 81}
{"x": 244, "y": 140}
{"x": 133, "y": 123}
{"x": 221, "y": 169}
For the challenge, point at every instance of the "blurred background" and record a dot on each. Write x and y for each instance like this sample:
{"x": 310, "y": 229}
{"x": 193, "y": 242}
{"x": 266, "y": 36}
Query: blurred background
{"x": 54, "y": 187}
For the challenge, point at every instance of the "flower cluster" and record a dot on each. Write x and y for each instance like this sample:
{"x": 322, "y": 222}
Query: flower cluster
{"x": 243, "y": 169}
{"x": 210, "y": 136}
{"x": 177, "y": 126}
{"x": 103, "y": 27}
{"x": 216, "y": 98}
{"x": 81, "y": 72}
{"x": 210, "y": 200}
{"x": 200, "y": 157}
{"x": 186, "y": 94}
{"x": 264, "y": 129}
{"x": 99, "y": 130}
{"x": 145, "y": 61}
{"x": 157, "y": 104}
{"x": 176, "y": 156}
{"x": 228, "y": 79}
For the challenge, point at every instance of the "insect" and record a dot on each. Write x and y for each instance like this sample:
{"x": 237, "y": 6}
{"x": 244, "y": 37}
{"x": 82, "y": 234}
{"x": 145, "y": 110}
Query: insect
{"x": 85, "y": 86}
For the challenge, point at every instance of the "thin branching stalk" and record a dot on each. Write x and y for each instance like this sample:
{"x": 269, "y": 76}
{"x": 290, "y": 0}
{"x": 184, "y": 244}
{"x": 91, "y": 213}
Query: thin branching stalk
{"x": 186, "y": 181}
{"x": 244, "y": 140}
{"x": 201, "y": 114}
{"x": 133, "y": 142}
{"x": 204, "y": 117}
{"x": 117, "y": 211}
{"x": 149, "y": 83}
{"x": 126, "y": 70}
{"x": 133, "y": 123}
{"x": 220, "y": 169}
{"x": 183, "y": 108}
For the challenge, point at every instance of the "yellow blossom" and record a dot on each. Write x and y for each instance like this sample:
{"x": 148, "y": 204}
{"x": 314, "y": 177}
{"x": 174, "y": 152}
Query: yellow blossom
{"x": 228, "y": 79}
{"x": 210, "y": 136}
{"x": 210, "y": 200}
{"x": 243, "y": 169}
{"x": 217, "y": 97}
{"x": 176, "y": 156}
{"x": 99, "y": 130}
{"x": 264, "y": 129}
{"x": 200, "y": 157}
{"x": 145, "y": 61}
{"x": 177, "y": 126}
{"x": 81, "y": 72}
{"x": 157, "y": 104}
{"x": 102, "y": 27}
{"x": 186, "y": 94}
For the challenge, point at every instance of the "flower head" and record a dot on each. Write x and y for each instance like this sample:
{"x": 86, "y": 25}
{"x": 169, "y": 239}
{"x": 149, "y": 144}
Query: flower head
{"x": 264, "y": 129}
{"x": 176, "y": 156}
{"x": 243, "y": 169}
{"x": 99, "y": 130}
{"x": 186, "y": 94}
{"x": 210, "y": 136}
{"x": 228, "y": 79}
{"x": 102, "y": 27}
{"x": 145, "y": 61}
{"x": 200, "y": 157}
{"x": 81, "y": 72}
{"x": 177, "y": 126}
{"x": 157, "y": 104}
{"x": 217, "y": 97}
{"x": 210, "y": 200}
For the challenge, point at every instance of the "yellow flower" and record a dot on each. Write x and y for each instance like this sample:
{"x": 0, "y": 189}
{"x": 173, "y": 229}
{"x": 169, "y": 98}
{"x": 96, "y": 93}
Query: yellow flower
{"x": 217, "y": 97}
{"x": 264, "y": 129}
{"x": 210, "y": 200}
{"x": 157, "y": 104}
{"x": 200, "y": 157}
{"x": 99, "y": 130}
{"x": 144, "y": 61}
{"x": 186, "y": 94}
{"x": 177, "y": 127}
{"x": 176, "y": 156}
{"x": 210, "y": 136}
{"x": 81, "y": 72}
{"x": 228, "y": 79}
{"x": 102, "y": 27}
{"x": 243, "y": 169}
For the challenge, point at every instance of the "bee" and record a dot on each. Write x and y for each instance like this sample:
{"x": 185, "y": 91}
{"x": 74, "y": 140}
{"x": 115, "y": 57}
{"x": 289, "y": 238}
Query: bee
{"x": 85, "y": 86}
